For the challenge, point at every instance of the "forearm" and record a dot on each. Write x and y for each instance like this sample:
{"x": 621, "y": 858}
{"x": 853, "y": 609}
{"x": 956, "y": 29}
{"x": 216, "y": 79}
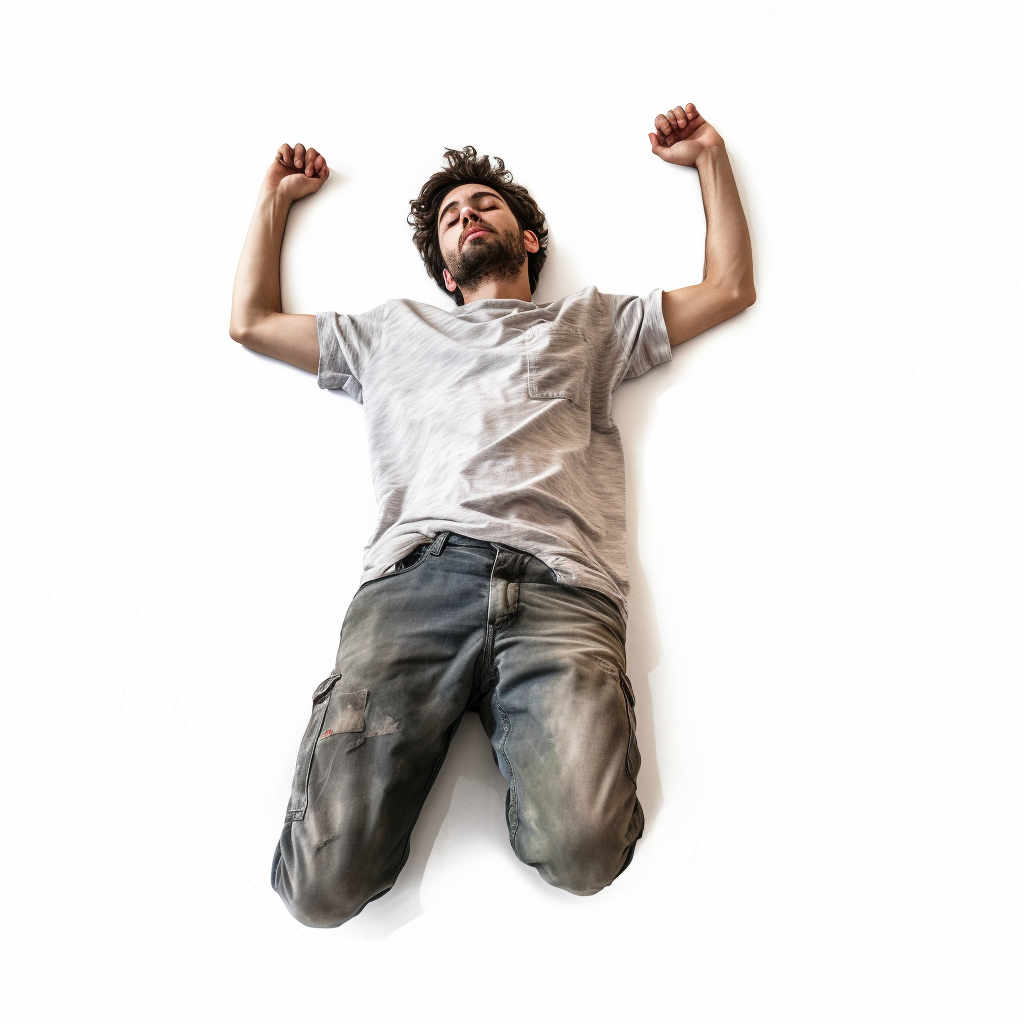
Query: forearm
{"x": 727, "y": 258}
{"x": 257, "y": 289}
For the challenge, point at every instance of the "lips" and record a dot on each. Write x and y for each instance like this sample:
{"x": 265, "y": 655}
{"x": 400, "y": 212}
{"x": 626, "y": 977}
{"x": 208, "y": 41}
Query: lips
{"x": 475, "y": 233}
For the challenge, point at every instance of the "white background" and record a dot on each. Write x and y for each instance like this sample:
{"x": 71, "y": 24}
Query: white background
{"x": 824, "y": 501}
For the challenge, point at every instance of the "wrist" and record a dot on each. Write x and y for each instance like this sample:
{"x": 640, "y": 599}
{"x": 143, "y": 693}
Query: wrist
{"x": 710, "y": 155}
{"x": 271, "y": 199}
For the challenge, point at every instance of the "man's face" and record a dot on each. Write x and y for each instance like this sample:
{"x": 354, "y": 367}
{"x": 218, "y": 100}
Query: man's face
{"x": 480, "y": 238}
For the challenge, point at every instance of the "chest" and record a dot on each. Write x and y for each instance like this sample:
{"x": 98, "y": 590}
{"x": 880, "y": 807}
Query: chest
{"x": 486, "y": 369}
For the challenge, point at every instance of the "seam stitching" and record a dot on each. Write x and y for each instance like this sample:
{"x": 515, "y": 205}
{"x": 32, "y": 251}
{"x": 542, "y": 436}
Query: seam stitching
{"x": 506, "y": 730}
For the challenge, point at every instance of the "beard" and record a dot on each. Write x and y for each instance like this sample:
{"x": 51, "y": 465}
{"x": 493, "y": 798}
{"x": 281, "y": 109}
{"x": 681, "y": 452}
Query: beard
{"x": 498, "y": 258}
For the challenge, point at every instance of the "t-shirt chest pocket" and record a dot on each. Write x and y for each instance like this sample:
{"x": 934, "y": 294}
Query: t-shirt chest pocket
{"x": 556, "y": 364}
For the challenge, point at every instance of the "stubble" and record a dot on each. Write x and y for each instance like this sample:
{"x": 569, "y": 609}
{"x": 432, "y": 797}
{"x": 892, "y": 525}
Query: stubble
{"x": 497, "y": 259}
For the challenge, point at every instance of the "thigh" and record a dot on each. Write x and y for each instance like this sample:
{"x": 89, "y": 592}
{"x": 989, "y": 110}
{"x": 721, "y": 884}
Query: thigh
{"x": 561, "y": 721}
{"x": 381, "y": 723}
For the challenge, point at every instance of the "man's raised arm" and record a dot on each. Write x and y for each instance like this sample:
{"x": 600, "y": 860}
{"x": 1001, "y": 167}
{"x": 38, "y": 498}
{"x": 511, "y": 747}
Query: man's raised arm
{"x": 256, "y": 318}
{"x": 684, "y": 137}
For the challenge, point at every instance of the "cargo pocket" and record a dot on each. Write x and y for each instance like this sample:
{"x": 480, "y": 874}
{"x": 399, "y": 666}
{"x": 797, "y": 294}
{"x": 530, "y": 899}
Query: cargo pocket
{"x": 556, "y": 364}
{"x": 632, "y": 750}
{"x": 333, "y": 712}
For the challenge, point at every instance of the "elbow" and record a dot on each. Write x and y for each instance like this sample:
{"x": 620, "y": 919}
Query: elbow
{"x": 249, "y": 329}
{"x": 733, "y": 296}
{"x": 744, "y": 296}
{"x": 239, "y": 333}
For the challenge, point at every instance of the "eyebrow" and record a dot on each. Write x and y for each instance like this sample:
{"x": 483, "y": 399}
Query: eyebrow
{"x": 454, "y": 202}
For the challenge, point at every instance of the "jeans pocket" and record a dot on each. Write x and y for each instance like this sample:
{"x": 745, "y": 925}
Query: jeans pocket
{"x": 411, "y": 561}
{"x": 632, "y": 749}
{"x": 333, "y": 712}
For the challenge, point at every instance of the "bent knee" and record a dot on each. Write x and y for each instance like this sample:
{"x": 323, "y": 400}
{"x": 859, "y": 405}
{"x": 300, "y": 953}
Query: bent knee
{"x": 317, "y": 909}
{"x": 584, "y": 862}
{"x": 319, "y": 895}
{"x": 582, "y": 875}
{"x": 318, "y": 905}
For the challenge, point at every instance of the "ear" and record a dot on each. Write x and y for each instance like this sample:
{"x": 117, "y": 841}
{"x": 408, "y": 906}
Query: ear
{"x": 449, "y": 282}
{"x": 531, "y": 241}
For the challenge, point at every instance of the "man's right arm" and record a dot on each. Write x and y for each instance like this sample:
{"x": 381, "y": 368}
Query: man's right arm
{"x": 256, "y": 317}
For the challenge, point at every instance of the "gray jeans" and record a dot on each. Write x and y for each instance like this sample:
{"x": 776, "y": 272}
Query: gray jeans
{"x": 464, "y": 625}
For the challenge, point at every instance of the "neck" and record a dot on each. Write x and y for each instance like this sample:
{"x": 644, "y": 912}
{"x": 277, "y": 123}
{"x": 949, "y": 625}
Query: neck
{"x": 501, "y": 288}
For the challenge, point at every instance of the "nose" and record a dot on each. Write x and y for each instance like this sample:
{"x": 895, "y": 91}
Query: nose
{"x": 468, "y": 213}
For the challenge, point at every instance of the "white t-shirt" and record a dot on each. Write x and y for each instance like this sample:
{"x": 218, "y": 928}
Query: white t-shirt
{"x": 493, "y": 420}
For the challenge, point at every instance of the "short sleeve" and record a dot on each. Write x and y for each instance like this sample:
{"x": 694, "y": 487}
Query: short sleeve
{"x": 639, "y": 326}
{"x": 347, "y": 344}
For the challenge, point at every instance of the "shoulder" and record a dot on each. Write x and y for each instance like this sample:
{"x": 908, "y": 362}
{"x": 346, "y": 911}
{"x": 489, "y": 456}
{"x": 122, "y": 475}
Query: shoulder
{"x": 405, "y": 308}
{"x": 390, "y": 311}
{"x": 581, "y": 308}
{"x": 588, "y": 296}
{"x": 587, "y": 310}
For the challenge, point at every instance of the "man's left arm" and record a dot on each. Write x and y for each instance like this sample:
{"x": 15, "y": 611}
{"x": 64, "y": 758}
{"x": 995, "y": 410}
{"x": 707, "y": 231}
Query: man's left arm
{"x": 683, "y": 137}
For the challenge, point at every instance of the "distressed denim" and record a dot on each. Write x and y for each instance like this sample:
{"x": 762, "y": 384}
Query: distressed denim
{"x": 461, "y": 625}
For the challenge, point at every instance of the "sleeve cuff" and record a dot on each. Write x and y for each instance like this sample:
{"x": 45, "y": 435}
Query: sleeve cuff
{"x": 333, "y": 372}
{"x": 652, "y": 345}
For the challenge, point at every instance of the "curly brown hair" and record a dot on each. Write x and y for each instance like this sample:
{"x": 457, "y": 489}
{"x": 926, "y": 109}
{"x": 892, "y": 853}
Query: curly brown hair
{"x": 465, "y": 167}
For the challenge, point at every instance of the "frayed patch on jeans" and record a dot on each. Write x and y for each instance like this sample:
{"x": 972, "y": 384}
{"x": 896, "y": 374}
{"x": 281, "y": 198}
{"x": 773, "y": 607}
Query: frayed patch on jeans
{"x": 344, "y": 713}
{"x": 389, "y": 726}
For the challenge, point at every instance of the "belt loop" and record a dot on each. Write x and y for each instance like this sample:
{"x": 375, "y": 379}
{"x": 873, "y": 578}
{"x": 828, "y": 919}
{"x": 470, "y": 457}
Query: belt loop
{"x": 438, "y": 546}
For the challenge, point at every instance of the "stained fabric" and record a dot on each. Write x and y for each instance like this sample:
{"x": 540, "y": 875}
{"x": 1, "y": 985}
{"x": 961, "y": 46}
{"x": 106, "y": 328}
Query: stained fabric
{"x": 469, "y": 627}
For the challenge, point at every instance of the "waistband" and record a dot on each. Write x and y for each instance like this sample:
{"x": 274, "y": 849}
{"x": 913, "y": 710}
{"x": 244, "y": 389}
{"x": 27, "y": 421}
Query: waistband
{"x": 471, "y": 542}
{"x": 536, "y": 569}
{"x": 460, "y": 541}
{"x": 445, "y": 537}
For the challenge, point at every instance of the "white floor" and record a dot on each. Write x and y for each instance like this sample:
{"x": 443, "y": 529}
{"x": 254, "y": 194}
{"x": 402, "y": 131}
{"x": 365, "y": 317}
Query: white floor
{"x": 824, "y": 496}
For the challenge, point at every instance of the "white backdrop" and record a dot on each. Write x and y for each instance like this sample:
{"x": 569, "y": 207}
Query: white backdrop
{"x": 824, "y": 501}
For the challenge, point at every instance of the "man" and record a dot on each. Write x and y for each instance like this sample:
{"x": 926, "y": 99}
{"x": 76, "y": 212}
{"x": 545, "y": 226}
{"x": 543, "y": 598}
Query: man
{"x": 496, "y": 578}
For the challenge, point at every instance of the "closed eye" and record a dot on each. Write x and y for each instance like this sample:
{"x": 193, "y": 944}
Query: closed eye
{"x": 490, "y": 202}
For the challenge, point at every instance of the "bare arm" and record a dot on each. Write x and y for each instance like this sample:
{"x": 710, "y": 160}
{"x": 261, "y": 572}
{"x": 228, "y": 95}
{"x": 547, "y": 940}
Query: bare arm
{"x": 684, "y": 137}
{"x": 256, "y": 318}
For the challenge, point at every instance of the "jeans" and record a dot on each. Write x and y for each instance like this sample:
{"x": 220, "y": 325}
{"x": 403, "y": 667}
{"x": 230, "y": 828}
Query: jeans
{"x": 461, "y": 625}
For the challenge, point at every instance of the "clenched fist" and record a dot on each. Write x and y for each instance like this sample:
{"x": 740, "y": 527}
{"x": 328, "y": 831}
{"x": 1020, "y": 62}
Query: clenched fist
{"x": 681, "y": 135}
{"x": 296, "y": 172}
